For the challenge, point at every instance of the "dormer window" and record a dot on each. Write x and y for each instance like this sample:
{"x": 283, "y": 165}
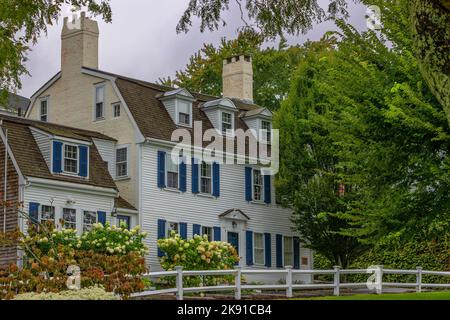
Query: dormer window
{"x": 184, "y": 113}
{"x": 266, "y": 128}
{"x": 71, "y": 158}
{"x": 227, "y": 122}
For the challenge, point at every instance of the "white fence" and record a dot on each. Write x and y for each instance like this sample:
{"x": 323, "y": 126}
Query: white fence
{"x": 377, "y": 274}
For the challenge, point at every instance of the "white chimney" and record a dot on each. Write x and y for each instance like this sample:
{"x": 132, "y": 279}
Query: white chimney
{"x": 79, "y": 44}
{"x": 238, "y": 77}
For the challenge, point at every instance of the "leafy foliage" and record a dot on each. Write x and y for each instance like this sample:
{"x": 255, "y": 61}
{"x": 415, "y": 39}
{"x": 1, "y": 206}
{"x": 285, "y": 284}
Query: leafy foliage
{"x": 92, "y": 293}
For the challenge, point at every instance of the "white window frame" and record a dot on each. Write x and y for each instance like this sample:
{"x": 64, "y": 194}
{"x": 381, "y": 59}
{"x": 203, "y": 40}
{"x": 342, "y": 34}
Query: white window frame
{"x": 284, "y": 250}
{"x": 114, "y": 106}
{"x": 96, "y": 87}
{"x": 169, "y": 158}
{"x": 127, "y": 161}
{"x": 266, "y": 136}
{"x": 261, "y": 199}
{"x": 76, "y": 218}
{"x": 263, "y": 249}
{"x": 63, "y": 164}
{"x": 47, "y": 101}
{"x": 177, "y": 110}
{"x": 169, "y": 230}
{"x": 41, "y": 207}
{"x": 124, "y": 215}
{"x": 94, "y": 213}
{"x": 221, "y": 113}
{"x": 210, "y": 233}
{"x": 205, "y": 177}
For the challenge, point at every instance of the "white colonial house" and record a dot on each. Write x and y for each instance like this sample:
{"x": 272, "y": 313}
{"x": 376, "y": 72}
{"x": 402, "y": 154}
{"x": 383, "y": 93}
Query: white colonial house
{"x": 228, "y": 202}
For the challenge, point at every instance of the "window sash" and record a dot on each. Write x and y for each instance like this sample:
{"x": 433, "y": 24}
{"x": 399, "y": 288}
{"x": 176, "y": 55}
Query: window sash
{"x": 122, "y": 162}
{"x": 171, "y": 172}
{"x": 288, "y": 249}
{"x": 70, "y": 218}
{"x": 208, "y": 231}
{"x": 124, "y": 219}
{"x": 184, "y": 118}
{"x": 226, "y": 122}
{"x": 259, "y": 248}
{"x": 266, "y": 126}
{"x": 116, "y": 109}
{"x": 47, "y": 214}
{"x": 44, "y": 104}
{"x": 205, "y": 178}
{"x": 172, "y": 226}
{"x": 257, "y": 185}
{"x": 89, "y": 218}
{"x": 70, "y": 158}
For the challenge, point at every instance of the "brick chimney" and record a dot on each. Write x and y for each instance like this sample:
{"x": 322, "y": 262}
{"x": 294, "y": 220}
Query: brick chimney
{"x": 238, "y": 77}
{"x": 79, "y": 44}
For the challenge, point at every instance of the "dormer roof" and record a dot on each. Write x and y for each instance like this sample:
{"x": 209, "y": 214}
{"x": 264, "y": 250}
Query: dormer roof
{"x": 180, "y": 93}
{"x": 220, "y": 103}
{"x": 261, "y": 112}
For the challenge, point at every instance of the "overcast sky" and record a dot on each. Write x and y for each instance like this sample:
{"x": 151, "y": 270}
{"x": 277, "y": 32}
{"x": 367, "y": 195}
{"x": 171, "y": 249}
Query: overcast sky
{"x": 141, "y": 42}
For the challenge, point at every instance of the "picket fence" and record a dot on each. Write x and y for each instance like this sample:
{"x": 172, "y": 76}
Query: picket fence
{"x": 376, "y": 282}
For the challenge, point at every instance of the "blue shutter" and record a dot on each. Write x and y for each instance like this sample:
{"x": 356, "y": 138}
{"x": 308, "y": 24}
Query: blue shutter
{"x": 216, "y": 179}
{"x": 83, "y": 170}
{"x": 249, "y": 243}
{"x": 161, "y": 169}
{"x": 34, "y": 212}
{"x": 248, "y": 184}
{"x": 296, "y": 253}
{"x": 183, "y": 175}
{"x": 194, "y": 176}
{"x": 217, "y": 235}
{"x": 161, "y": 234}
{"x": 267, "y": 193}
{"x": 183, "y": 230}
{"x": 57, "y": 157}
{"x": 196, "y": 229}
{"x": 268, "y": 249}
{"x": 279, "y": 248}
{"x": 101, "y": 217}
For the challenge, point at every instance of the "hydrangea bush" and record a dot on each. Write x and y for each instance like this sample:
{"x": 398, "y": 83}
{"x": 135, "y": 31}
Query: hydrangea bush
{"x": 197, "y": 254}
{"x": 91, "y": 293}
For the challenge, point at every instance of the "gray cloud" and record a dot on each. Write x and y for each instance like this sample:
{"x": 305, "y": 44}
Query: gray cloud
{"x": 141, "y": 42}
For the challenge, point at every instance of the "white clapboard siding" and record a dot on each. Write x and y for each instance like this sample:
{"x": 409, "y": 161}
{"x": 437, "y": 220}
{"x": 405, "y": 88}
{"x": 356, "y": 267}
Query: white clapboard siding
{"x": 59, "y": 199}
{"x": 43, "y": 142}
{"x": 170, "y": 107}
{"x": 195, "y": 209}
{"x": 107, "y": 150}
{"x": 213, "y": 116}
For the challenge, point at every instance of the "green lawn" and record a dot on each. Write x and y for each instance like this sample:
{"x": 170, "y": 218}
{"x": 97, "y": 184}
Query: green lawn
{"x": 392, "y": 296}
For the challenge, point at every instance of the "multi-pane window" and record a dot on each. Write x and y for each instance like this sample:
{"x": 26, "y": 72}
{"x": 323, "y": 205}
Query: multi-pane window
{"x": 226, "y": 122}
{"x": 208, "y": 231}
{"x": 172, "y": 172}
{"x": 184, "y": 113}
{"x": 70, "y": 158}
{"x": 205, "y": 178}
{"x": 99, "y": 99}
{"x": 122, "y": 162}
{"x": 288, "y": 248}
{"x": 47, "y": 214}
{"x": 257, "y": 185}
{"x": 172, "y": 226}
{"x": 44, "y": 110}
{"x": 258, "y": 239}
{"x": 123, "y": 221}
{"x": 89, "y": 218}
{"x": 116, "y": 110}
{"x": 70, "y": 218}
{"x": 266, "y": 128}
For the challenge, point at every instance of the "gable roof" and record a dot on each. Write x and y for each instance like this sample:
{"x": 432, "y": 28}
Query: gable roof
{"x": 31, "y": 162}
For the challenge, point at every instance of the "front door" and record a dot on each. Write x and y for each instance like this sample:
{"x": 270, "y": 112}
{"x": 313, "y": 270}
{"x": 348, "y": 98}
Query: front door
{"x": 233, "y": 239}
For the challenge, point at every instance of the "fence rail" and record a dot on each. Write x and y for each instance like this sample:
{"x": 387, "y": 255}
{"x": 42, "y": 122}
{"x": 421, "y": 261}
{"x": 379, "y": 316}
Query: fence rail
{"x": 376, "y": 273}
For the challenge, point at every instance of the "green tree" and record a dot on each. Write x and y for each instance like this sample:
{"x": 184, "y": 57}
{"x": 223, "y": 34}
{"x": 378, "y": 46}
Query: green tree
{"x": 21, "y": 24}
{"x": 424, "y": 21}
{"x": 273, "y": 68}
{"x": 360, "y": 115}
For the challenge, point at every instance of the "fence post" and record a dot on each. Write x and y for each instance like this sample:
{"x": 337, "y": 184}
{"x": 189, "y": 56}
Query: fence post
{"x": 179, "y": 281}
{"x": 237, "y": 282}
{"x": 419, "y": 279}
{"x": 380, "y": 280}
{"x": 337, "y": 280}
{"x": 289, "y": 281}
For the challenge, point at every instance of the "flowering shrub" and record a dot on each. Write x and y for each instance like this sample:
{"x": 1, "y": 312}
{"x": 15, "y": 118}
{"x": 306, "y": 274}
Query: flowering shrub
{"x": 92, "y": 293}
{"x": 197, "y": 254}
{"x": 108, "y": 256}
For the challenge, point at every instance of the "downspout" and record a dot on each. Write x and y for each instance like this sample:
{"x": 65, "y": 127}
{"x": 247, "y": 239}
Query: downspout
{"x": 5, "y": 183}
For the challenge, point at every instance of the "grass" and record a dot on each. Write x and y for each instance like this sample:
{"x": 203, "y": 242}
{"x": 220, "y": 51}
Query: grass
{"x": 389, "y": 296}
